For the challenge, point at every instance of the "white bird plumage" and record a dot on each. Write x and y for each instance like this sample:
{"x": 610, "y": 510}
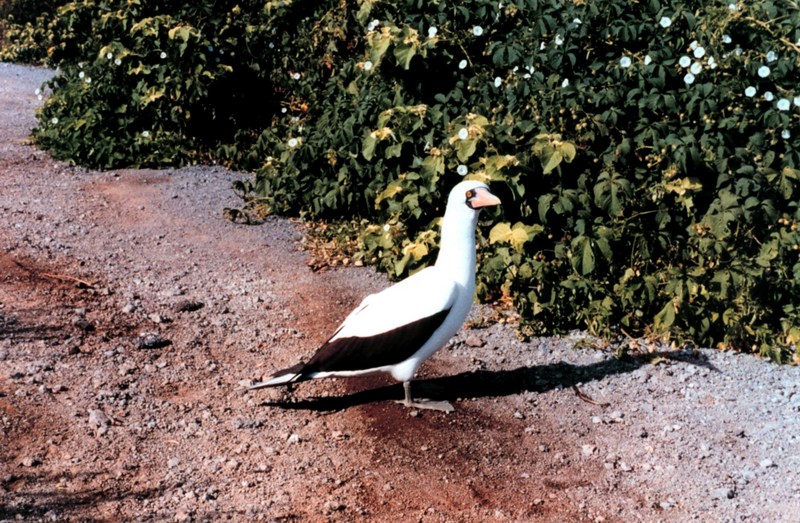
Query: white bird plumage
{"x": 397, "y": 329}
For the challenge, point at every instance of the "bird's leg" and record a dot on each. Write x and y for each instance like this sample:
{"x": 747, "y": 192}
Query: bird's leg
{"x": 442, "y": 406}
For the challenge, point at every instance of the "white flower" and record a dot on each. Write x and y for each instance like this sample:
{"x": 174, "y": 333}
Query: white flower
{"x": 292, "y": 142}
{"x": 372, "y": 25}
{"x": 146, "y": 134}
{"x": 88, "y": 80}
{"x": 784, "y": 104}
{"x": 477, "y": 30}
{"x": 685, "y": 61}
{"x": 272, "y": 45}
{"x": 689, "y": 78}
{"x": 542, "y": 46}
{"x": 462, "y": 170}
{"x": 786, "y": 134}
{"x": 81, "y": 75}
{"x": 712, "y": 63}
{"x": 726, "y": 39}
{"x": 738, "y": 51}
{"x": 768, "y": 96}
{"x": 296, "y": 76}
{"x": 732, "y": 7}
{"x": 771, "y": 56}
{"x": 463, "y": 134}
{"x": 625, "y": 62}
{"x": 386, "y": 227}
{"x": 700, "y": 52}
{"x": 763, "y": 71}
{"x": 750, "y": 92}
{"x": 163, "y": 55}
{"x": 577, "y": 21}
{"x": 796, "y": 101}
{"x": 210, "y": 48}
{"x": 109, "y": 56}
{"x": 498, "y": 81}
{"x": 693, "y": 45}
{"x": 558, "y": 40}
{"x": 696, "y": 68}
{"x": 367, "y": 65}
{"x": 432, "y": 32}
{"x": 565, "y": 83}
{"x": 648, "y": 60}
{"x": 283, "y": 110}
{"x": 54, "y": 121}
{"x": 37, "y": 92}
{"x": 665, "y": 22}
{"x": 40, "y": 97}
{"x": 462, "y": 64}
{"x": 118, "y": 61}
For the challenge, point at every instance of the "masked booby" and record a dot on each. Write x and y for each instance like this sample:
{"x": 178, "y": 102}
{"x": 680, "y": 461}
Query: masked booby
{"x": 397, "y": 329}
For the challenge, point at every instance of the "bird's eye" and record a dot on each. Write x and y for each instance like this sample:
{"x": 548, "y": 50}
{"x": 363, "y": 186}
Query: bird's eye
{"x": 470, "y": 194}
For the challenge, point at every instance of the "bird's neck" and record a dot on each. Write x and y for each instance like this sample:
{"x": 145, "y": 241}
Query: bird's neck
{"x": 457, "y": 249}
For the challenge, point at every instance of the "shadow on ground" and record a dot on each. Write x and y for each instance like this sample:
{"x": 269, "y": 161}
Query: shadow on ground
{"x": 490, "y": 384}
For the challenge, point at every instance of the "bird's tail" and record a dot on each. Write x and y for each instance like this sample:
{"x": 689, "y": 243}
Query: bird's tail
{"x": 283, "y": 377}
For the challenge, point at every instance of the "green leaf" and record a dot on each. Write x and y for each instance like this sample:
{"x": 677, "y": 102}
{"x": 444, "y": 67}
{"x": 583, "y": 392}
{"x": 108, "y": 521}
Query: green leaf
{"x": 377, "y": 45}
{"x": 666, "y": 317}
{"x": 368, "y": 146}
{"x": 466, "y": 148}
{"x": 516, "y": 236}
{"x": 551, "y": 158}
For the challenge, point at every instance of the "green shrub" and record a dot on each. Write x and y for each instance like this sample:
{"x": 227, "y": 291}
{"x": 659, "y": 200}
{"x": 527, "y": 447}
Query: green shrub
{"x": 24, "y": 35}
{"x": 647, "y": 154}
{"x": 644, "y": 195}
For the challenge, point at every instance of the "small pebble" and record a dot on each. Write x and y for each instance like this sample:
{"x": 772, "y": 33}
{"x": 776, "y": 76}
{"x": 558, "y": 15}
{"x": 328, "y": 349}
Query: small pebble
{"x": 723, "y": 493}
{"x": 474, "y": 341}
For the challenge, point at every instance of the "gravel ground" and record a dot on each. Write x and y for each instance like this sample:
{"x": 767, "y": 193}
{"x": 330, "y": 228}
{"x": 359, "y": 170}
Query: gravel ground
{"x": 132, "y": 315}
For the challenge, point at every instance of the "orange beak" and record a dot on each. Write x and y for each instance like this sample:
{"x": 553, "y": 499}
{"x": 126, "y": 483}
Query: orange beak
{"x": 483, "y": 198}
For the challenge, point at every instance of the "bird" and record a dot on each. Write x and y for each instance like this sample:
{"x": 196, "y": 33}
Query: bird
{"x": 397, "y": 329}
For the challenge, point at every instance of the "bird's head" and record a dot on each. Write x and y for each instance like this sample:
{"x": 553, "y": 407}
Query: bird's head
{"x": 473, "y": 194}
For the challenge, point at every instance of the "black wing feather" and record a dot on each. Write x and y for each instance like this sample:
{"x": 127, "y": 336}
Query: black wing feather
{"x": 386, "y": 348}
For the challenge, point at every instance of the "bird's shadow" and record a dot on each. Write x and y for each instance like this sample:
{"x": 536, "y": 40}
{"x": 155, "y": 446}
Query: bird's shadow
{"x": 485, "y": 383}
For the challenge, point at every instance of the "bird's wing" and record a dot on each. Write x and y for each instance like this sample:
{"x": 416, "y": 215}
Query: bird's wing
{"x": 419, "y": 296}
{"x": 388, "y": 327}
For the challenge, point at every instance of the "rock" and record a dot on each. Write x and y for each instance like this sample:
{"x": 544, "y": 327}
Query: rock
{"x": 723, "y": 493}
{"x": 188, "y": 306}
{"x": 151, "y": 340}
{"x": 173, "y": 462}
{"x": 588, "y": 450}
{"x": 99, "y": 420}
{"x": 157, "y": 318}
{"x": 766, "y": 463}
{"x": 292, "y": 439}
{"x": 474, "y": 341}
{"x": 29, "y": 461}
{"x": 82, "y": 323}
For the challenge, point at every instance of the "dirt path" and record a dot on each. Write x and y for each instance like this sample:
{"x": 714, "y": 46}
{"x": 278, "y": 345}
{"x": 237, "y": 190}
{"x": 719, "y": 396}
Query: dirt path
{"x": 132, "y": 315}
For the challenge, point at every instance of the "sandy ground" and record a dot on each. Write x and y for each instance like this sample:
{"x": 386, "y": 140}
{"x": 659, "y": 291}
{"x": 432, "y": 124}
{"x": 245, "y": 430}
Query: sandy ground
{"x": 132, "y": 316}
